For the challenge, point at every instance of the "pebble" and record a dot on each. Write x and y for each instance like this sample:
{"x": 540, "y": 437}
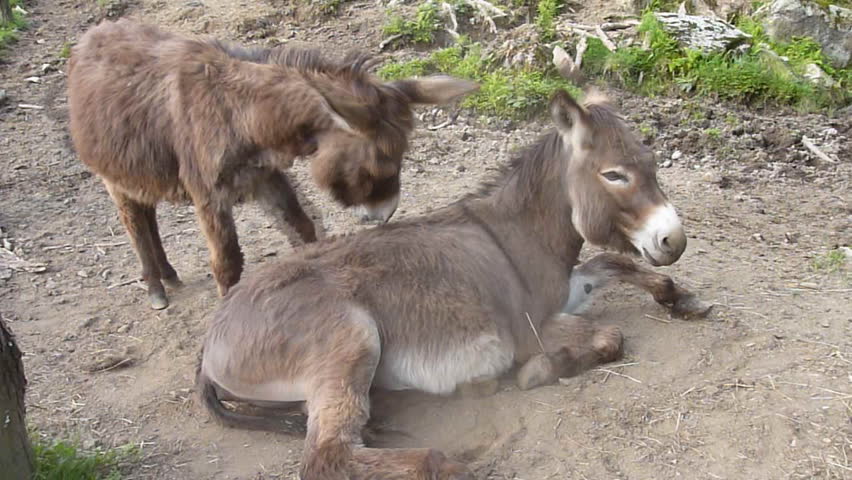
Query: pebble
{"x": 666, "y": 164}
{"x": 677, "y": 154}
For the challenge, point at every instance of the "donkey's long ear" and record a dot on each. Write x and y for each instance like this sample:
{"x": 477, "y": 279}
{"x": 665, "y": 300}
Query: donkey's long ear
{"x": 346, "y": 112}
{"x": 436, "y": 89}
{"x": 571, "y": 119}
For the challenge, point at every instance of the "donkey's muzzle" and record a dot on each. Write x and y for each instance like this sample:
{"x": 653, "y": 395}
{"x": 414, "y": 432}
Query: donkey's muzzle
{"x": 661, "y": 239}
{"x": 378, "y": 212}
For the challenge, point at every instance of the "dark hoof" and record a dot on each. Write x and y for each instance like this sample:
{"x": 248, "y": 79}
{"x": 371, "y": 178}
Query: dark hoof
{"x": 689, "y": 306}
{"x": 173, "y": 283}
{"x": 158, "y": 300}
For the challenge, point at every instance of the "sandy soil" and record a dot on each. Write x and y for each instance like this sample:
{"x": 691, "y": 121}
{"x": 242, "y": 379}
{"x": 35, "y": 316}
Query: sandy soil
{"x": 762, "y": 389}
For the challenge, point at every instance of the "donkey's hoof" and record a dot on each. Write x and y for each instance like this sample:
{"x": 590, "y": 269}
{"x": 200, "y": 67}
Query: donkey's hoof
{"x": 173, "y": 283}
{"x": 690, "y": 306}
{"x": 158, "y": 300}
{"x": 539, "y": 370}
{"x": 608, "y": 342}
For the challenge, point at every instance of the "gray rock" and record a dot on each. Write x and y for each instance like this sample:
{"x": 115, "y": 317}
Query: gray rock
{"x": 818, "y": 76}
{"x": 831, "y": 27}
{"x": 709, "y": 35}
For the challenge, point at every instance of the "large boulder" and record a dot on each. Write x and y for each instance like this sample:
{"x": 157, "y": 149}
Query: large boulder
{"x": 829, "y": 26}
{"x": 707, "y": 34}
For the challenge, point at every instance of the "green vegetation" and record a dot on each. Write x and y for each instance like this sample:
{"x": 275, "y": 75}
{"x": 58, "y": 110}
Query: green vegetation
{"x": 328, "y": 7}
{"x": 713, "y": 133}
{"x": 508, "y": 93}
{"x": 420, "y": 30}
{"x": 64, "y": 461}
{"x": 547, "y": 12}
{"x": 65, "y": 52}
{"x": 829, "y": 262}
{"x": 753, "y": 76}
{"x": 9, "y": 31}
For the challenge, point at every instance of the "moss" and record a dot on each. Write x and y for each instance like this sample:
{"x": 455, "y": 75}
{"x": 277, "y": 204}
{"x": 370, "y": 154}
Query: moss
{"x": 9, "y": 31}
{"x": 754, "y": 76}
{"x": 504, "y": 92}
{"x": 63, "y": 460}
{"x": 420, "y": 30}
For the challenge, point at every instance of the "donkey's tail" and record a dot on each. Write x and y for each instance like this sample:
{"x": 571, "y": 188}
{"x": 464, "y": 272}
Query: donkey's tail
{"x": 289, "y": 424}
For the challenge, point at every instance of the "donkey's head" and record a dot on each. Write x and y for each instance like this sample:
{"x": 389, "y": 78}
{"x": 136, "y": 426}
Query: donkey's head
{"x": 612, "y": 182}
{"x": 359, "y": 157}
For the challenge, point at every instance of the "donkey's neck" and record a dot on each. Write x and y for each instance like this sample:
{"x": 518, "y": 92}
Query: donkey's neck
{"x": 530, "y": 200}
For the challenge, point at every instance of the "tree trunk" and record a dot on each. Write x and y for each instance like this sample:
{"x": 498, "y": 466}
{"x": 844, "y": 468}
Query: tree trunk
{"x": 5, "y": 12}
{"x": 16, "y": 457}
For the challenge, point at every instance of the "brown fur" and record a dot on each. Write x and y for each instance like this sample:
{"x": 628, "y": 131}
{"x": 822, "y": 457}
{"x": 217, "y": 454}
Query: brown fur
{"x": 164, "y": 117}
{"x": 435, "y": 302}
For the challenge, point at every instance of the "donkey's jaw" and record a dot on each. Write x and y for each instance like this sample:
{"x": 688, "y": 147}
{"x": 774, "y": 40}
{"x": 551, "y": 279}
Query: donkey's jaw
{"x": 661, "y": 239}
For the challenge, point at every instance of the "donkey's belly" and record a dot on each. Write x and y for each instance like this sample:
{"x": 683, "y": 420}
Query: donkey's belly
{"x": 439, "y": 369}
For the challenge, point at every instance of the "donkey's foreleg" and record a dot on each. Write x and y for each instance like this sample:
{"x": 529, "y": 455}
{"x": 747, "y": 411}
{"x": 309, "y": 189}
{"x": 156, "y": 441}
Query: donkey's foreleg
{"x": 276, "y": 193}
{"x": 572, "y": 345}
{"x": 599, "y": 270}
{"x": 135, "y": 218}
{"x": 226, "y": 258}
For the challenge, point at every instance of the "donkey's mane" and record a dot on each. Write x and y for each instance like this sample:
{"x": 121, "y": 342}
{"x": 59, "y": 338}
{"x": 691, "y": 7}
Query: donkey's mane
{"x": 301, "y": 58}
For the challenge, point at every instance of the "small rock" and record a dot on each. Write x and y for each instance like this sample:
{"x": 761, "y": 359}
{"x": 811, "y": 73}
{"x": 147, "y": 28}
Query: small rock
{"x": 123, "y": 329}
{"x": 88, "y": 322}
{"x": 47, "y": 68}
{"x": 758, "y": 237}
{"x": 666, "y": 164}
{"x": 465, "y": 136}
{"x": 818, "y": 76}
{"x": 711, "y": 177}
{"x": 33, "y": 79}
{"x": 83, "y": 274}
{"x": 461, "y": 168}
{"x": 677, "y": 155}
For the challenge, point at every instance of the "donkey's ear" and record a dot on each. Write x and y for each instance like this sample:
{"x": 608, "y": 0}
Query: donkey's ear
{"x": 436, "y": 89}
{"x": 566, "y": 113}
{"x": 571, "y": 120}
{"x": 348, "y": 113}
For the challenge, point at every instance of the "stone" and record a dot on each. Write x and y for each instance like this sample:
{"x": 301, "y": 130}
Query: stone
{"x": 829, "y": 26}
{"x": 817, "y": 76}
{"x": 709, "y": 35}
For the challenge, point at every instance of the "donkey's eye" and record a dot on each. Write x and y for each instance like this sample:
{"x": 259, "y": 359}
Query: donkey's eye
{"x": 615, "y": 177}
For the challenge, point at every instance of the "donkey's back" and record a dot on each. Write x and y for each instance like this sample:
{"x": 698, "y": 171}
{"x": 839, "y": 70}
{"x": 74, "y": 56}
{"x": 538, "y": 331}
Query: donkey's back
{"x": 120, "y": 97}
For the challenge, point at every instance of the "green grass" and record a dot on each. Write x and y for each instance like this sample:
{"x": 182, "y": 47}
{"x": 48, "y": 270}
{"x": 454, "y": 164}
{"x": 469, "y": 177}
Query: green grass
{"x": 506, "y": 93}
{"x": 420, "y": 30}
{"x": 60, "y": 460}
{"x": 65, "y": 52}
{"x": 752, "y": 77}
{"x": 829, "y": 262}
{"x": 9, "y": 31}
{"x": 713, "y": 133}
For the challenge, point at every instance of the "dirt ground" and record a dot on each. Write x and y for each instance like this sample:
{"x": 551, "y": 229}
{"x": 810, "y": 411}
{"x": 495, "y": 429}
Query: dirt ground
{"x": 762, "y": 389}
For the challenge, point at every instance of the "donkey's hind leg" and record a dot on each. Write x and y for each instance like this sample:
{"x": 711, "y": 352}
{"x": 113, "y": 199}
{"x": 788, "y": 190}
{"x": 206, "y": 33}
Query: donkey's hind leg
{"x": 338, "y": 409}
{"x": 572, "y": 345}
{"x": 276, "y": 193}
{"x": 135, "y": 219}
{"x": 167, "y": 272}
{"x": 602, "y": 268}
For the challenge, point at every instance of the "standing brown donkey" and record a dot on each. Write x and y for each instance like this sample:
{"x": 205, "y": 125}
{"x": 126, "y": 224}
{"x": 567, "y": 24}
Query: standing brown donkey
{"x": 164, "y": 117}
{"x": 451, "y": 298}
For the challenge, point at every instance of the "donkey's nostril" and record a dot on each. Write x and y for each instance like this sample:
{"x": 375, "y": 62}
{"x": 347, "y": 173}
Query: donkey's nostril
{"x": 665, "y": 243}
